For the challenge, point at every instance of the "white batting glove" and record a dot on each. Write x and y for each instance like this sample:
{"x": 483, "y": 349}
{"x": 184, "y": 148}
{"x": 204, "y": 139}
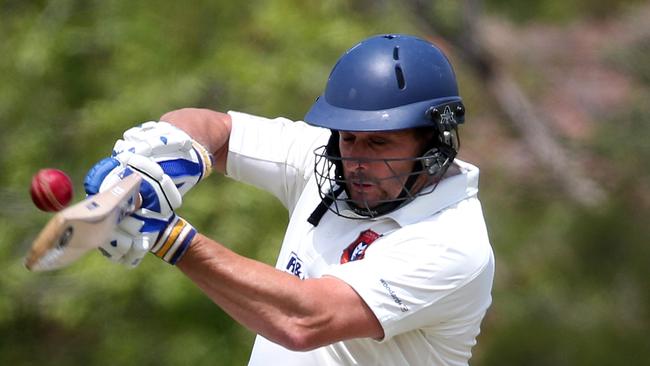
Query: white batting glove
{"x": 145, "y": 232}
{"x": 136, "y": 234}
{"x": 171, "y": 163}
{"x": 183, "y": 159}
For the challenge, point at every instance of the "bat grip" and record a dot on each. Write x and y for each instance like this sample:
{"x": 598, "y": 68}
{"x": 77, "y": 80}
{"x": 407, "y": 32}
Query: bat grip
{"x": 138, "y": 202}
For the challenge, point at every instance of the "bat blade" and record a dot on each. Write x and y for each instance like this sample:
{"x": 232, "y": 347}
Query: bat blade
{"x": 74, "y": 231}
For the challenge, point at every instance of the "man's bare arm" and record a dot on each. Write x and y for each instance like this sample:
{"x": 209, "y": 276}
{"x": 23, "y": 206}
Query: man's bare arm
{"x": 297, "y": 314}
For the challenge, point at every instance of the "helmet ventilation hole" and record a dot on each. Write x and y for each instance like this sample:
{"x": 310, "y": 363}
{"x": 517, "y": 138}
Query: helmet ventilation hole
{"x": 396, "y": 53}
{"x": 401, "y": 83}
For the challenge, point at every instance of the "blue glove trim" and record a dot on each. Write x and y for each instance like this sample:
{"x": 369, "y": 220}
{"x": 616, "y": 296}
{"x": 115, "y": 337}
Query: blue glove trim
{"x": 201, "y": 166}
{"x": 149, "y": 197}
{"x": 148, "y": 193}
{"x": 181, "y": 168}
{"x": 97, "y": 173}
{"x": 125, "y": 173}
{"x": 152, "y": 225}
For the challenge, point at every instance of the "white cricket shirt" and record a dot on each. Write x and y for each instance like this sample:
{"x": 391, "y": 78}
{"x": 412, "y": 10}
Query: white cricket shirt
{"x": 427, "y": 275}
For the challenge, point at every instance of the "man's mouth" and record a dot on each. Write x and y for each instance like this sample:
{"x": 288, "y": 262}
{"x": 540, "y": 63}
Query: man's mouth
{"x": 361, "y": 186}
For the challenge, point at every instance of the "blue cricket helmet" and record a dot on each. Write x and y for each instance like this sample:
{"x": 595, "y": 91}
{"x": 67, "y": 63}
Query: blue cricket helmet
{"x": 387, "y": 82}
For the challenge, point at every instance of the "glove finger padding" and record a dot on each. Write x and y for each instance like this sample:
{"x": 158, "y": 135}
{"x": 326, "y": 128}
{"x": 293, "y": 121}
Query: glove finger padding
{"x": 154, "y": 139}
{"x": 136, "y": 234}
{"x": 118, "y": 245}
{"x": 139, "y": 249}
{"x": 153, "y": 128}
{"x": 183, "y": 159}
{"x": 170, "y": 163}
{"x": 187, "y": 168}
{"x": 158, "y": 191}
{"x": 97, "y": 175}
{"x": 143, "y": 228}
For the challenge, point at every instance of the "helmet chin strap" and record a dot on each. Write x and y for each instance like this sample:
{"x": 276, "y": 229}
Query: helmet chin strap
{"x": 332, "y": 149}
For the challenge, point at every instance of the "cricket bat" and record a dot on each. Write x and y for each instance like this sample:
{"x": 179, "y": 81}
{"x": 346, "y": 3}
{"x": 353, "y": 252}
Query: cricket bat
{"x": 80, "y": 228}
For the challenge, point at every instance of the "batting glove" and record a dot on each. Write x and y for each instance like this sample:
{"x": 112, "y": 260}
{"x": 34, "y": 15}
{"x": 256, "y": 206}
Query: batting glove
{"x": 183, "y": 159}
{"x": 154, "y": 227}
{"x": 171, "y": 163}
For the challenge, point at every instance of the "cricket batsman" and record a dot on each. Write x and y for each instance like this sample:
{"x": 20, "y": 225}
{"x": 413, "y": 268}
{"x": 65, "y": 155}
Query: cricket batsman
{"x": 386, "y": 258}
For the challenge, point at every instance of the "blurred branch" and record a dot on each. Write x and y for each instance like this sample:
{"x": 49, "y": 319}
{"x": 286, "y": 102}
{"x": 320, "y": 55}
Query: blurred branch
{"x": 541, "y": 141}
{"x": 513, "y": 101}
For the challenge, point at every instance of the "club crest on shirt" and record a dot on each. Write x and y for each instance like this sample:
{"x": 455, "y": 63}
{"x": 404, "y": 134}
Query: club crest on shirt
{"x": 357, "y": 250}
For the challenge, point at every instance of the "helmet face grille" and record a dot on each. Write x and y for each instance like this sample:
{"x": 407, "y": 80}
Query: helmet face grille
{"x": 333, "y": 185}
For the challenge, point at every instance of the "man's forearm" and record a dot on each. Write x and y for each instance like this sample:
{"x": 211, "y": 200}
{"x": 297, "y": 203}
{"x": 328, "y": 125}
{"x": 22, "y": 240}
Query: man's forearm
{"x": 297, "y": 314}
{"x": 253, "y": 293}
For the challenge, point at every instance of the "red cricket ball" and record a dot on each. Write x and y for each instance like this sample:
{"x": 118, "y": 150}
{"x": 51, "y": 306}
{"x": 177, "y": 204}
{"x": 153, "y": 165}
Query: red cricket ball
{"x": 51, "y": 189}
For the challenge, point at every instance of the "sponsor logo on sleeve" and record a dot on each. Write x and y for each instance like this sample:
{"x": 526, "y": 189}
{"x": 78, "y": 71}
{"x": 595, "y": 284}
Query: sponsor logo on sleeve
{"x": 294, "y": 266}
{"x": 402, "y": 307}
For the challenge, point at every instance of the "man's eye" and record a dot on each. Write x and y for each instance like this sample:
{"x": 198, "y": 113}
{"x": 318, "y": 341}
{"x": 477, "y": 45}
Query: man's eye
{"x": 378, "y": 141}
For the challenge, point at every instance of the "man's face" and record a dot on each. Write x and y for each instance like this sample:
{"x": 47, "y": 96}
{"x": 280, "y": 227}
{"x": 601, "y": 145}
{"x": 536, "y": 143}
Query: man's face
{"x": 371, "y": 179}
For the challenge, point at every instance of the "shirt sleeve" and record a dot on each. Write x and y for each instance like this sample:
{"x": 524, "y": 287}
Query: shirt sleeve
{"x": 412, "y": 281}
{"x": 275, "y": 155}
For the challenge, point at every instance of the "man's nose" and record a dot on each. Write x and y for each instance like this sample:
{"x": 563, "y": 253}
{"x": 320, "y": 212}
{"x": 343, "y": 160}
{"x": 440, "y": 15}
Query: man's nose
{"x": 355, "y": 164}
{"x": 359, "y": 150}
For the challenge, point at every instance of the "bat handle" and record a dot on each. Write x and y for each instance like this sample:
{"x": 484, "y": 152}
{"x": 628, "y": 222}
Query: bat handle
{"x": 138, "y": 202}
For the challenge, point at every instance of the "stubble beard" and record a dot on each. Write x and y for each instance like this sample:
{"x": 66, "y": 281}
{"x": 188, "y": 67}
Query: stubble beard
{"x": 367, "y": 192}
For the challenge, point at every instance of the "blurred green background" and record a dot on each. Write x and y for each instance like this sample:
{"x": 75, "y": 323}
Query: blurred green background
{"x": 558, "y": 117}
